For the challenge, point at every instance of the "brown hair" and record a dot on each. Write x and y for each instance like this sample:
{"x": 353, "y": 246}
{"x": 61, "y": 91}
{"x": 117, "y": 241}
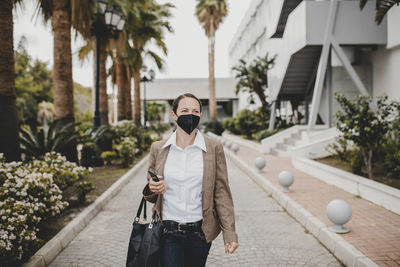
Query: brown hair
{"x": 176, "y": 101}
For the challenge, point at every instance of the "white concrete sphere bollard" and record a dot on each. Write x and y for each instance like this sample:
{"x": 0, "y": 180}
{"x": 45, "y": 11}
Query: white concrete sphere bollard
{"x": 339, "y": 212}
{"x": 228, "y": 145}
{"x": 286, "y": 179}
{"x": 235, "y": 148}
{"x": 260, "y": 163}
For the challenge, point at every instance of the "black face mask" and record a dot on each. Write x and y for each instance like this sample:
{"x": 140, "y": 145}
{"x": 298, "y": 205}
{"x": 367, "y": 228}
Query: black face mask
{"x": 188, "y": 122}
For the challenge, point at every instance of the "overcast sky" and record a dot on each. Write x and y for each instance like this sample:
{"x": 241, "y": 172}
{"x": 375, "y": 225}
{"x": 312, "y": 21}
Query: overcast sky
{"x": 187, "y": 55}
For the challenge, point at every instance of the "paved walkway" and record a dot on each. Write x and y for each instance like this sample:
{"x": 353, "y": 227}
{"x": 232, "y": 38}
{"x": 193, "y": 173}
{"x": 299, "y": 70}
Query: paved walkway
{"x": 267, "y": 235}
{"x": 375, "y": 231}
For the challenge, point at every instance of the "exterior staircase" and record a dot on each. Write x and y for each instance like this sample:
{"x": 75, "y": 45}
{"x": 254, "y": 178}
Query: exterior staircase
{"x": 282, "y": 148}
{"x": 299, "y": 141}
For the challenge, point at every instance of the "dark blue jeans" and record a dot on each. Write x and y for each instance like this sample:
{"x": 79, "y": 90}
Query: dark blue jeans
{"x": 183, "y": 249}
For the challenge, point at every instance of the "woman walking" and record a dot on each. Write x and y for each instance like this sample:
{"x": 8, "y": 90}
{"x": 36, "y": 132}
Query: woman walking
{"x": 192, "y": 198}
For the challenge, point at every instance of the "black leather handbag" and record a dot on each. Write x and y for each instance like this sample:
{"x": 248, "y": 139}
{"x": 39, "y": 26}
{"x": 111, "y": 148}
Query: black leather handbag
{"x": 145, "y": 241}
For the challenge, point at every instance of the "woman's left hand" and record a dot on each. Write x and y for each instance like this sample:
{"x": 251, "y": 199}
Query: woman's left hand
{"x": 231, "y": 247}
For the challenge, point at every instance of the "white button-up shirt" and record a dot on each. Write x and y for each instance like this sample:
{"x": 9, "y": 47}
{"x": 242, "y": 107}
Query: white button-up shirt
{"x": 183, "y": 178}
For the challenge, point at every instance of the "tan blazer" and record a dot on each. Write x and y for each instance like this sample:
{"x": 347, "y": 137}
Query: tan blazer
{"x": 217, "y": 204}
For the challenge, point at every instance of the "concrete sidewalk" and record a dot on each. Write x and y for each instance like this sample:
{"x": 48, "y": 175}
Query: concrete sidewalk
{"x": 268, "y": 236}
{"x": 375, "y": 231}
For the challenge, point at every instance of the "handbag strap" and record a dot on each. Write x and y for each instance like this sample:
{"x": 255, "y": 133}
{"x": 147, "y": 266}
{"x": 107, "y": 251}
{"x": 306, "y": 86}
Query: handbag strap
{"x": 142, "y": 204}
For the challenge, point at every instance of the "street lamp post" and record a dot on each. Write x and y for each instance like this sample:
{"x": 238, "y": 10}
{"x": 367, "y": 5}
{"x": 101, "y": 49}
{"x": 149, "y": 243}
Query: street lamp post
{"x": 109, "y": 22}
{"x": 112, "y": 25}
{"x": 145, "y": 79}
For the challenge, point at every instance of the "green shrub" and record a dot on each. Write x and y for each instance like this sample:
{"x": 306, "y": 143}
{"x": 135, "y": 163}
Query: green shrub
{"x": 229, "y": 124}
{"x": 214, "y": 126}
{"x": 87, "y": 153}
{"x": 260, "y": 135}
{"x": 392, "y": 161}
{"x": 109, "y": 156}
{"x": 126, "y": 150}
{"x": 160, "y": 128}
{"x": 247, "y": 123}
{"x": 142, "y": 137}
{"x": 356, "y": 160}
{"x": 82, "y": 188}
{"x": 340, "y": 148}
{"x": 36, "y": 142}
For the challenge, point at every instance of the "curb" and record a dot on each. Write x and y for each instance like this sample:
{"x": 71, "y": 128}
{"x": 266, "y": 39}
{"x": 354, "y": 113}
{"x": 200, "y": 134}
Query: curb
{"x": 344, "y": 251}
{"x": 46, "y": 254}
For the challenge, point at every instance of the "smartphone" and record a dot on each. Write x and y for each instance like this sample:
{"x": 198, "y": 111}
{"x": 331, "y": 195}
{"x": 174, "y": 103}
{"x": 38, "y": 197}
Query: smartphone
{"x": 155, "y": 178}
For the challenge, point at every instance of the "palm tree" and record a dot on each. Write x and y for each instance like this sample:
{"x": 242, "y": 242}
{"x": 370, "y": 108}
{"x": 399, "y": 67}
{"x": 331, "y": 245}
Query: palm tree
{"x": 382, "y": 7}
{"x": 83, "y": 53}
{"x": 64, "y": 14}
{"x": 9, "y": 143}
{"x": 210, "y": 14}
{"x": 146, "y": 23}
{"x": 122, "y": 78}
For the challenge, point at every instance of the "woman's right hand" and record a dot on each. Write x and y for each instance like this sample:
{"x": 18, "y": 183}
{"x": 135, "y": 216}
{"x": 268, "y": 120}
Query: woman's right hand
{"x": 157, "y": 187}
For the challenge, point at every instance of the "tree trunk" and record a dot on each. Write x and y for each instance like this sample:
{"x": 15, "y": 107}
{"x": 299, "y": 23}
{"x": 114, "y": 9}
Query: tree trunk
{"x": 128, "y": 95}
{"x": 367, "y": 157}
{"x": 103, "y": 108}
{"x": 121, "y": 92}
{"x": 211, "y": 79}
{"x": 137, "y": 106}
{"x": 257, "y": 88}
{"x": 9, "y": 142}
{"x": 369, "y": 166}
{"x": 62, "y": 70}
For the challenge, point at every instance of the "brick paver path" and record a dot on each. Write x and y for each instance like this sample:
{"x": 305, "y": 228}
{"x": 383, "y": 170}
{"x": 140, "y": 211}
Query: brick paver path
{"x": 375, "y": 231}
{"x": 267, "y": 235}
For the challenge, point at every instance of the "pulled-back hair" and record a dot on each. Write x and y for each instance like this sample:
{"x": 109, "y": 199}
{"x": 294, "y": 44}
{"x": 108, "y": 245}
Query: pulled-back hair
{"x": 176, "y": 101}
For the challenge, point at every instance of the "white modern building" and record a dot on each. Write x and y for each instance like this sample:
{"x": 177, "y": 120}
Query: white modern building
{"x": 166, "y": 90}
{"x": 321, "y": 46}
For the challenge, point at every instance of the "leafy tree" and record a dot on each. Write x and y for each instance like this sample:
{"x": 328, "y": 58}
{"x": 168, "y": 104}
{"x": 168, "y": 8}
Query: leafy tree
{"x": 210, "y": 14}
{"x": 382, "y": 7}
{"x": 33, "y": 83}
{"x": 253, "y": 78}
{"x": 361, "y": 125}
{"x": 391, "y": 147}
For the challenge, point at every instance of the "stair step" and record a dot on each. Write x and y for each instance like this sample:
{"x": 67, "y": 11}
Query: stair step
{"x": 274, "y": 152}
{"x": 282, "y": 146}
{"x": 290, "y": 141}
{"x": 279, "y": 153}
{"x": 295, "y": 136}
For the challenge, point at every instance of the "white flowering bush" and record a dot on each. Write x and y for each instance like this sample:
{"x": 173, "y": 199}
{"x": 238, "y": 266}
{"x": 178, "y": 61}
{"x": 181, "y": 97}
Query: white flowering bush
{"x": 65, "y": 173}
{"x": 29, "y": 194}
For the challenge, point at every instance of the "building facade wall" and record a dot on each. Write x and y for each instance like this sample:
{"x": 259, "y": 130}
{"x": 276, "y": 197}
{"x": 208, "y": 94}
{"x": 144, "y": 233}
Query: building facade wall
{"x": 373, "y": 50}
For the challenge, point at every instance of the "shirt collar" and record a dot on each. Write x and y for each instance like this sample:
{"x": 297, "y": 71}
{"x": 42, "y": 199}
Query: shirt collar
{"x": 198, "y": 141}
